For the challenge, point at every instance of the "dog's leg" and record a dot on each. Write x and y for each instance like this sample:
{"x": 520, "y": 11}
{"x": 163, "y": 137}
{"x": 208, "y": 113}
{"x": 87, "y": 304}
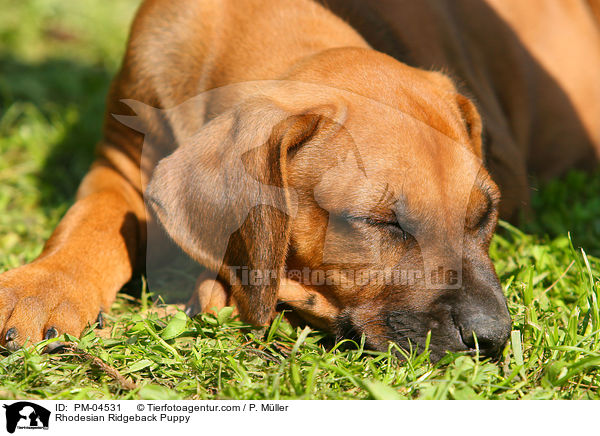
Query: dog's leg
{"x": 90, "y": 256}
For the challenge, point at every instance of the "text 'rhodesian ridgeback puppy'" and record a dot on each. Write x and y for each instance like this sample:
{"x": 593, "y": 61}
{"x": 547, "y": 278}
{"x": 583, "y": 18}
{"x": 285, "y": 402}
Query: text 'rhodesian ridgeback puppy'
{"x": 326, "y": 157}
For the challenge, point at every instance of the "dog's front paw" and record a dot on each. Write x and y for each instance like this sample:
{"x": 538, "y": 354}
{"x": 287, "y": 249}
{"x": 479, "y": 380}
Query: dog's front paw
{"x": 37, "y": 303}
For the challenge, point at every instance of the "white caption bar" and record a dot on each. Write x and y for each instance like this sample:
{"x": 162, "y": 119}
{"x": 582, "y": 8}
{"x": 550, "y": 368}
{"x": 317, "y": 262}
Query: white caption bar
{"x": 42, "y": 418}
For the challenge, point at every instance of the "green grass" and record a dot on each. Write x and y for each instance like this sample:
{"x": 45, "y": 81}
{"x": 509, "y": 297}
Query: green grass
{"x": 56, "y": 60}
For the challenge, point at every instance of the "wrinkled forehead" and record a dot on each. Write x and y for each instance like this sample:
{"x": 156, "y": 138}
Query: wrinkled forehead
{"x": 399, "y": 162}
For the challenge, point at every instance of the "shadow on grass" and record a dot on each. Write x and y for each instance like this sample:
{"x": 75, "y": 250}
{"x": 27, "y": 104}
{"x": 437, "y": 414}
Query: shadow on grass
{"x": 70, "y": 93}
{"x": 569, "y": 204}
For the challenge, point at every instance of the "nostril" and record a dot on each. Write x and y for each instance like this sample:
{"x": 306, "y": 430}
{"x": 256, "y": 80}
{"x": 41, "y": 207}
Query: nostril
{"x": 491, "y": 333}
{"x": 483, "y": 342}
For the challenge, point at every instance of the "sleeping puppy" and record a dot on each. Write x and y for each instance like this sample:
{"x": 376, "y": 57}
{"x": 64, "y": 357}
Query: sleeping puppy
{"x": 297, "y": 163}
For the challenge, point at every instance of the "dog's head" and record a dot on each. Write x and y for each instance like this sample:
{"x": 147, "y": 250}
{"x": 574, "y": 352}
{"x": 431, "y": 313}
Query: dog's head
{"x": 354, "y": 189}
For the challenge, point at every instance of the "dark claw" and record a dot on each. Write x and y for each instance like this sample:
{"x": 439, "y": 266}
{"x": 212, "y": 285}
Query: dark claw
{"x": 100, "y": 320}
{"x": 192, "y": 310}
{"x": 11, "y": 334}
{"x": 51, "y": 333}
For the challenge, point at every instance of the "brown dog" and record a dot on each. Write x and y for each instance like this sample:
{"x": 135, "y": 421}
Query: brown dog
{"x": 288, "y": 141}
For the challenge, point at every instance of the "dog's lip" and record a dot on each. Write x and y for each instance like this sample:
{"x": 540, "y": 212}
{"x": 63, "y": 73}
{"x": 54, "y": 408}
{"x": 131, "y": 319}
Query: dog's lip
{"x": 346, "y": 328}
{"x": 453, "y": 341}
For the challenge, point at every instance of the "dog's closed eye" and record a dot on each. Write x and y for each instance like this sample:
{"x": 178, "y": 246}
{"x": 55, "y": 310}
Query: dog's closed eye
{"x": 392, "y": 225}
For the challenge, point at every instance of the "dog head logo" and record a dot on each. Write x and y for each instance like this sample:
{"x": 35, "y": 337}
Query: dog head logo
{"x": 26, "y": 415}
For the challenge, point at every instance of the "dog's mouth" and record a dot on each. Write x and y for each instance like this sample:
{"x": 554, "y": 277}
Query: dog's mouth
{"x": 453, "y": 322}
{"x": 412, "y": 332}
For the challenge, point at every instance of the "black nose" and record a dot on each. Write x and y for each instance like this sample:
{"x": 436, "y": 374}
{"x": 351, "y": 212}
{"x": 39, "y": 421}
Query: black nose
{"x": 492, "y": 332}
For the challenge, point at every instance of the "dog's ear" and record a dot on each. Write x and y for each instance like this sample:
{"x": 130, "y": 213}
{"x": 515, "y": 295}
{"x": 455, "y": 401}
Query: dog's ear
{"x": 472, "y": 120}
{"x": 223, "y": 197}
